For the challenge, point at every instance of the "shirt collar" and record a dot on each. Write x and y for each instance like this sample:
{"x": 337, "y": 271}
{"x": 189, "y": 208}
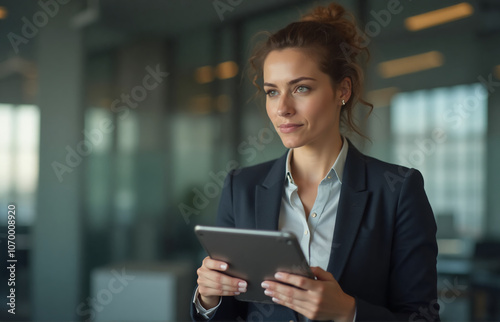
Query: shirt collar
{"x": 337, "y": 168}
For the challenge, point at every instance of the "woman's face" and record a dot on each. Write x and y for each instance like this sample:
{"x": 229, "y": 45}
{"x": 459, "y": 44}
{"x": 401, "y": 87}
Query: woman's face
{"x": 300, "y": 99}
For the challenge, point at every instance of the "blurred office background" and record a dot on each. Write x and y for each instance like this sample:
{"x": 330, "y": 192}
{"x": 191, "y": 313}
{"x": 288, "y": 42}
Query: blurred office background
{"x": 119, "y": 119}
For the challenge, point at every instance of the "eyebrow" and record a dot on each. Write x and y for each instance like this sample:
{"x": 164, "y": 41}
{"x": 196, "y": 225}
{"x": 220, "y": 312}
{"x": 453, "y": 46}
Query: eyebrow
{"x": 292, "y": 82}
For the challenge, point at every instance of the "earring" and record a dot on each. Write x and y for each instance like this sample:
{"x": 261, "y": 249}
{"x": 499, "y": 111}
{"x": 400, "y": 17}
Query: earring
{"x": 343, "y": 102}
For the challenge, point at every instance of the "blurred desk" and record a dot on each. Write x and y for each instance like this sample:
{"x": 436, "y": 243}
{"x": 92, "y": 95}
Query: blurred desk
{"x": 485, "y": 285}
{"x": 142, "y": 292}
{"x": 472, "y": 275}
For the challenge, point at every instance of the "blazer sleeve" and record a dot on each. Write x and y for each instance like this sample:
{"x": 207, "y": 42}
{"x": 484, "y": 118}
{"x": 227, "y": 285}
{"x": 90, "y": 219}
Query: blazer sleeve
{"x": 225, "y": 213}
{"x": 230, "y": 309}
{"x": 413, "y": 277}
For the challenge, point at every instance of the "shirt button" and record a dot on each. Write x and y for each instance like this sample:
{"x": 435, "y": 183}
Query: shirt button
{"x": 306, "y": 232}
{"x": 314, "y": 215}
{"x": 329, "y": 177}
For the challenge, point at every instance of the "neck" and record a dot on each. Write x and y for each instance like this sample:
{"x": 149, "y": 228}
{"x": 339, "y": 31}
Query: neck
{"x": 312, "y": 163}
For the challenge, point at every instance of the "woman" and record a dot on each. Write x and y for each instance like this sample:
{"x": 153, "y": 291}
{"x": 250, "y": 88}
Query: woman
{"x": 365, "y": 226}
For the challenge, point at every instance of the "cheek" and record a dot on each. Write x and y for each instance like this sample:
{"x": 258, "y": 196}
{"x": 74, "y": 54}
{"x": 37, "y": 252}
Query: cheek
{"x": 319, "y": 107}
{"x": 269, "y": 110}
{"x": 322, "y": 111}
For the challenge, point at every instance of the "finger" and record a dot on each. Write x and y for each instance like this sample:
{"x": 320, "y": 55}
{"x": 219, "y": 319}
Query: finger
{"x": 222, "y": 281}
{"x": 302, "y": 282}
{"x": 284, "y": 292}
{"x": 209, "y": 287}
{"x": 321, "y": 274}
{"x": 214, "y": 264}
{"x": 289, "y": 296}
{"x": 208, "y": 291}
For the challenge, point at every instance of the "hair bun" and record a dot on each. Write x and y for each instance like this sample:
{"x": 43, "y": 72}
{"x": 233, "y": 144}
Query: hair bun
{"x": 342, "y": 21}
{"x": 331, "y": 14}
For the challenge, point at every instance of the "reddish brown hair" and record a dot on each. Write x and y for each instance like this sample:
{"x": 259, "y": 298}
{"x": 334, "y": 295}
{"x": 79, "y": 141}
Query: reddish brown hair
{"x": 330, "y": 33}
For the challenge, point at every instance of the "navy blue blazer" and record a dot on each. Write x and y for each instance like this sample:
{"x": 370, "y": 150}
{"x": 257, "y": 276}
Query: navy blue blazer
{"x": 384, "y": 245}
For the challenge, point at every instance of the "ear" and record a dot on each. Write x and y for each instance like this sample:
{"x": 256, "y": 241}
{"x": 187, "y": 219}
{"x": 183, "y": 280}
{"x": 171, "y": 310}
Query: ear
{"x": 344, "y": 89}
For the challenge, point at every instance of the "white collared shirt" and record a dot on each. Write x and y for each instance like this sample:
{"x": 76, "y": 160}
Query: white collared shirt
{"x": 315, "y": 234}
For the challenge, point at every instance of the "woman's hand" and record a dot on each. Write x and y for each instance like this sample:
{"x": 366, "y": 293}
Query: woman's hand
{"x": 212, "y": 284}
{"x": 320, "y": 299}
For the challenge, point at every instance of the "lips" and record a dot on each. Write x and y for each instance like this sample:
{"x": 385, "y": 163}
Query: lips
{"x": 289, "y": 127}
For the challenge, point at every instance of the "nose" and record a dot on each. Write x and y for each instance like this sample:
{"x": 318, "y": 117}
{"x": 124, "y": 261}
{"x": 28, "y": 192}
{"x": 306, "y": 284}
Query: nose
{"x": 285, "y": 106}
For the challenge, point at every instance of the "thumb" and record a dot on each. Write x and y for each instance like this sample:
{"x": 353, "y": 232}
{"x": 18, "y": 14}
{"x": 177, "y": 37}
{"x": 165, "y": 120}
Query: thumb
{"x": 321, "y": 274}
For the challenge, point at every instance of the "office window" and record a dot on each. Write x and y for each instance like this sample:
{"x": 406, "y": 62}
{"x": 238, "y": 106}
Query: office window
{"x": 19, "y": 142}
{"x": 98, "y": 167}
{"x": 442, "y": 132}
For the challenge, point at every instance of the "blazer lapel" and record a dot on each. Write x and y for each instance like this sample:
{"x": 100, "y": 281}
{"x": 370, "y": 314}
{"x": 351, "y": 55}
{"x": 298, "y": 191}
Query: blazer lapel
{"x": 268, "y": 197}
{"x": 352, "y": 202}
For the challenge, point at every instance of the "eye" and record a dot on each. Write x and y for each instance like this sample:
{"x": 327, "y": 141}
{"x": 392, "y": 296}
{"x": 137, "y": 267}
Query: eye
{"x": 271, "y": 93}
{"x": 302, "y": 89}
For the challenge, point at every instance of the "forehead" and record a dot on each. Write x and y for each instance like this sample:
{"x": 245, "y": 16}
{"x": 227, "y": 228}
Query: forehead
{"x": 290, "y": 63}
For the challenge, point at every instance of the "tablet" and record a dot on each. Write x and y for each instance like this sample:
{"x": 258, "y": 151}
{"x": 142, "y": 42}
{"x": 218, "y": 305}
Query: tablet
{"x": 254, "y": 256}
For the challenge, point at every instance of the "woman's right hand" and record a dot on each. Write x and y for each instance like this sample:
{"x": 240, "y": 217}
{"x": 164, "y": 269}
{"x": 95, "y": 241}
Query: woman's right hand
{"x": 212, "y": 284}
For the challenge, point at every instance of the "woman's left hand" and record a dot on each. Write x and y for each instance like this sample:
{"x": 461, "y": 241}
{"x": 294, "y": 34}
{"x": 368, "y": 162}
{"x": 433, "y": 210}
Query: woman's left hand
{"x": 321, "y": 299}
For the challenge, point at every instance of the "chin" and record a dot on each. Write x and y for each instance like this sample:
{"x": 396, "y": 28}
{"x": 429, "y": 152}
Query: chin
{"x": 291, "y": 145}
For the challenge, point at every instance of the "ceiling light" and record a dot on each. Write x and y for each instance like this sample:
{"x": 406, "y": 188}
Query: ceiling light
{"x": 3, "y": 13}
{"x": 227, "y": 70}
{"x": 201, "y": 104}
{"x": 204, "y": 74}
{"x": 410, "y": 64}
{"x": 438, "y": 17}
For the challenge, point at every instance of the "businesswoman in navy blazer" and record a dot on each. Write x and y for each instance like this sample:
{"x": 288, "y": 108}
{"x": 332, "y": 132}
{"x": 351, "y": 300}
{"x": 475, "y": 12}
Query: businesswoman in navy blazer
{"x": 365, "y": 226}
